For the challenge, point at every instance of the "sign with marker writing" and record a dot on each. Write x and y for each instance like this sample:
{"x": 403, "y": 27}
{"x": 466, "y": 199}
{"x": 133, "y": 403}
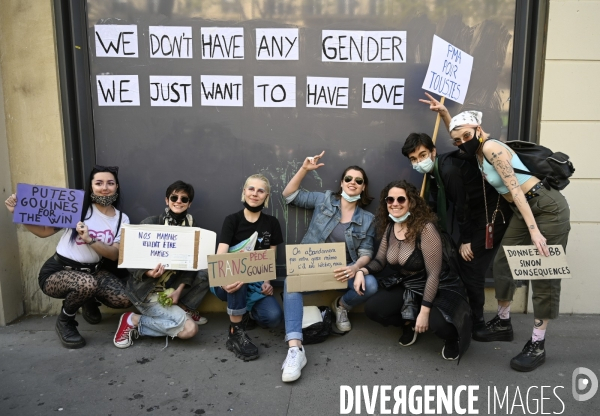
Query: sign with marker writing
{"x": 327, "y": 92}
{"x": 247, "y": 267}
{"x": 385, "y": 93}
{"x": 222, "y": 42}
{"x": 363, "y": 46}
{"x": 119, "y": 41}
{"x": 526, "y": 263}
{"x": 449, "y": 71}
{"x": 274, "y": 91}
{"x": 222, "y": 90}
{"x": 168, "y": 91}
{"x": 46, "y": 205}
{"x": 176, "y": 248}
{"x": 170, "y": 41}
{"x": 277, "y": 44}
{"x": 310, "y": 266}
{"x": 118, "y": 90}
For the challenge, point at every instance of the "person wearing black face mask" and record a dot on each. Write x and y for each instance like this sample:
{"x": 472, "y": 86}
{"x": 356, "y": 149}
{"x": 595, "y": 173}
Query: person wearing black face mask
{"x": 541, "y": 218}
{"x": 142, "y": 288}
{"x": 248, "y": 304}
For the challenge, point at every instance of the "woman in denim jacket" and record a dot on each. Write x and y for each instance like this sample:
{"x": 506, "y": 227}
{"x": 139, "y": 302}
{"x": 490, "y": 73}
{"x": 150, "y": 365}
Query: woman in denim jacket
{"x": 337, "y": 217}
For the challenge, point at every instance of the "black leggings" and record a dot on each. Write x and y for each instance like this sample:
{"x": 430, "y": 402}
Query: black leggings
{"x": 78, "y": 287}
{"x": 385, "y": 307}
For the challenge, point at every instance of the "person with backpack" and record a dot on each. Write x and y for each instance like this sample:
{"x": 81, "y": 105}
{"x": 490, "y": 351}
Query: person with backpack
{"x": 541, "y": 217}
{"x": 74, "y": 273}
{"x": 423, "y": 293}
{"x": 454, "y": 177}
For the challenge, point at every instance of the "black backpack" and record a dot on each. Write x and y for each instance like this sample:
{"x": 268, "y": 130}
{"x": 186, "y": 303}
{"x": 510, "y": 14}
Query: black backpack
{"x": 552, "y": 168}
{"x": 318, "y": 332}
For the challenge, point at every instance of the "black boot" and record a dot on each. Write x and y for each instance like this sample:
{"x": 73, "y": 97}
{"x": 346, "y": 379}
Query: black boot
{"x": 532, "y": 356}
{"x": 247, "y": 322}
{"x": 66, "y": 328}
{"x": 495, "y": 330}
{"x": 239, "y": 343}
{"x": 91, "y": 312}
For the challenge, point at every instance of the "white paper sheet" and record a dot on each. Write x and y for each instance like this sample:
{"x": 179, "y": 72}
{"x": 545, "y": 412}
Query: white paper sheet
{"x": 327, "y": 92}
{"x": 222, "y": 42}
{"x": 277, "y": 44}
{"x": 222, "y": 90}
{"x": 274, "y": 91}
{"x": 116, "y": 41}
{"x": 383, "y": 93}
{"x": 118, "y": 90}
{"x": 168, "y": 91}
{"x": 170, "y": 41}
{"x": 363, "y": 46}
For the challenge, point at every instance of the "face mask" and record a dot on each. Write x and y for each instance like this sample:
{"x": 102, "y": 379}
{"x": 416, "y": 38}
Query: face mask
{"x": 399, "y": 219}
{"x": 104, "y": 200}
{"x": 471, "y": 146}
{"x": 350, "y": 198}
{"x": 254, "y": 209}
{"x": 424, "y": 166}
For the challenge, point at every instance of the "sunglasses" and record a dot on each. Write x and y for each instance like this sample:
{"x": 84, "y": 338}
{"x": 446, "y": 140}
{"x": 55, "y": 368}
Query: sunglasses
{"x": 390, "y": 199}
{"x": 175, "y": 198}
{"x": 359, "y": 181}
{"x": 259, "y": 191}
{"x": 111, "y": 169}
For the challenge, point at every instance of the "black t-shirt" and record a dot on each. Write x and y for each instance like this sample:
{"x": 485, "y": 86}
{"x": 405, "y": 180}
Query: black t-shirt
{"x": 237, "y": 229}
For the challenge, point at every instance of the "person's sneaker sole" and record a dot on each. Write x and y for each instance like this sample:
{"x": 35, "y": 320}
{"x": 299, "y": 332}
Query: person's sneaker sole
{"x": 501, "y": 336}
{"x": 70, "y": 345}
{"x": 446, "y": 358}
{"x": 240, "y": 356}
{"x": 334, "y": 307}
{"x": 411, "y": 342}
{"x": 294, "y": 377}
{"x": 536, "y": 364}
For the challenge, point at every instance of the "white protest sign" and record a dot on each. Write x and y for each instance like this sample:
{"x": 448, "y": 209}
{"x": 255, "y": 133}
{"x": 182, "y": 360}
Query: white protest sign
{"x": 274, "y": 91}
{"x": 526, "y": 263}
{"x": 326, "y": 92}
{"x": 277, "y": 44}
{"x": 363, "y": 46}
{"x": 222, "y": 42}
{"x": 116, "y": 41}
{"x": 118, "y": 90}
{"x": 170, "y": 41}
{"x": 385, "y": 93}
{"x": 170, "y": 91}
{"x": 176, "y": 248}
{"x": 449, "y": 71}
{"x": 222, "y": 90}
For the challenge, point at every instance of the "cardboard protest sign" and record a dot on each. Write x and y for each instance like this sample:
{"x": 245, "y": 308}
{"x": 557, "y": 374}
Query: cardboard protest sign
{"x": 176, "y": 248}
{"x": 449, "y": 71}
{"x": 310, "y": 266}
{"x": 247, "y": 267}
{"x": 526, "y": 263}
{"x": 46, "y": 205}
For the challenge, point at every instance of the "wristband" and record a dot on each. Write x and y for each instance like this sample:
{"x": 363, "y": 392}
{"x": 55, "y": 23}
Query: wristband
{"x": 92, "y": 242}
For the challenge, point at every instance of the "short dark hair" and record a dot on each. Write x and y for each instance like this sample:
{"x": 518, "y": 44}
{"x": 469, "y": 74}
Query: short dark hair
{"x": 415, "y": 140}
{"x": 178, "y": 186}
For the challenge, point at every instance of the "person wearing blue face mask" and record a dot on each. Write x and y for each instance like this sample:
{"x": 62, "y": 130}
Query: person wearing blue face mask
{"x": 454, "y": 178}
{"x": 337, "y": 217}
{"x": 423, "y": 293}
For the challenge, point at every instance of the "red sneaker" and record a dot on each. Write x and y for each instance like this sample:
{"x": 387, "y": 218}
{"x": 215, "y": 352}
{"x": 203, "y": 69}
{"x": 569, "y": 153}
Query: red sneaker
{"x": 125, "y": 333}
{"x": 195, "y": 316}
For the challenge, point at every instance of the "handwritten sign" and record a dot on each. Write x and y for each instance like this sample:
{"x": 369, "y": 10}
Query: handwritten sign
{"x": 117, "y": 90}
{"x": 45, "y": 205}
{"x": 222, "y": 42}
{"x": 116, "y": 41}
{"x": 176, "y": 248}
{"x": 277, "y": 44}
{"x": 222, "y": 90}
{"x": 170, "y": 41}
{"x": 363, "y": 46}
{"x": 526, "y": 263}
{"x": 327, "y": 92}
{"x": 386, "y": 93}
{"x": 310, "y": 266}
{"x": 170, "y": 91}
{"x": 449, "y": 71}
{"x": 247, "y": 267}
{"x": 274, "y": 91}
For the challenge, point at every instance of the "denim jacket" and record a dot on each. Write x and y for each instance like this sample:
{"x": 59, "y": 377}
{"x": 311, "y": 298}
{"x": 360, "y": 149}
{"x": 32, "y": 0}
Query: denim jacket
{"x": 360, "y": 234}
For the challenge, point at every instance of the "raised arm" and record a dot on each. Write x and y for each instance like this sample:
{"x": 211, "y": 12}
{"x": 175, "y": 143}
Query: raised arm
{"x": 437, "y": 107}
{"x": 310, "y": 163}
{"x": 500, "y": 159}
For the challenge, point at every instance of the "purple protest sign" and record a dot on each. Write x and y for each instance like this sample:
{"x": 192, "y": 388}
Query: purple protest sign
{"x": 46, "y": 205}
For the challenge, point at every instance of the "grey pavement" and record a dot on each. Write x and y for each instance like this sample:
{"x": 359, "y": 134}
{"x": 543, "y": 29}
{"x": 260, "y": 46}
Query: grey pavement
{"x": 199, "y": 376}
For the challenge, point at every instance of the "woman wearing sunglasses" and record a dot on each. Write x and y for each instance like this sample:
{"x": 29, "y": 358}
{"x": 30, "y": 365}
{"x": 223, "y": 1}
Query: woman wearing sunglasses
{"x": 252, "y": 302}
{"x": 423, "y": 293}
{"x": 337, "y": 217}
{"x": 74, "y": 272}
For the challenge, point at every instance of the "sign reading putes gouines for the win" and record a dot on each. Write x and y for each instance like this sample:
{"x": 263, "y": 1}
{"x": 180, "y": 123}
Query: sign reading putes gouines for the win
{"x": 247, "y": 267}
{"x": 176, "y": 248}
{"x": 310, "y": 266}
{"x": 526, "y": 263}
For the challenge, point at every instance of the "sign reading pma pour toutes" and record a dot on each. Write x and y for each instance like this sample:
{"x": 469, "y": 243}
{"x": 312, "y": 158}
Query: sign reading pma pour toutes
{"x": 526, "y": 263}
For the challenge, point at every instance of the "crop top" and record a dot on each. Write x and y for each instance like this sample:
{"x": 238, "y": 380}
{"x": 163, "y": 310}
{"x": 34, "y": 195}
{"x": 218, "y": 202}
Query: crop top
{"x": 493, "y": 177}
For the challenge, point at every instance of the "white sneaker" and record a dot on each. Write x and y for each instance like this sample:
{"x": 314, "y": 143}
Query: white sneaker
{"x": 341, "y": 316}
{"x": 293, "y": 364}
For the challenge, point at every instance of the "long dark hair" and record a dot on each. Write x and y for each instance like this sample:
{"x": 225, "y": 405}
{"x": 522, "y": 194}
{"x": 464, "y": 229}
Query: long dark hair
{"x": 87, "y": 198}
{"x": 365, "y": 199}
{"x": 420, "y": 213}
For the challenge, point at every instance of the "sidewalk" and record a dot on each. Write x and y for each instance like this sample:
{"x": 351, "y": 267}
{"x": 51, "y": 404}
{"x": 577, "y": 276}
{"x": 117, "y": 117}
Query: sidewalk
{"x": 199, "y": 376}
